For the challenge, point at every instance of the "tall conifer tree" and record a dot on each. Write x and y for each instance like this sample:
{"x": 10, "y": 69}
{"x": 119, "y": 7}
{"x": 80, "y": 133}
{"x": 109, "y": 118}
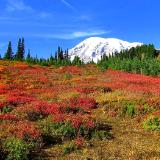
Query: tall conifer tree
{"x": 9, "y": 54}
{"x": 20, "y": 50}
{"x": 18, "y": 54}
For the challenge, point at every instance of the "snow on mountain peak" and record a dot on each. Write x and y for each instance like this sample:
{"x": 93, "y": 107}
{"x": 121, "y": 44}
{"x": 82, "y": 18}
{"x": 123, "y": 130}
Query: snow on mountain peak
{"x": 94, "y": 48}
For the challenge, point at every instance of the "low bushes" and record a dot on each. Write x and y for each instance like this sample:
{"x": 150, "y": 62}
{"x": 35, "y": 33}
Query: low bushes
{"x": 70, "y": 127}
{"x": 69, "y": 148}
{"x": 18, "y": 138}
{"x": 152, "y": 122}
{"x": 129, "y": 110}
{"x": 15, "y": 148}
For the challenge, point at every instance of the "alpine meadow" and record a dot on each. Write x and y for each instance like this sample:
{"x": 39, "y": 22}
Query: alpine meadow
{"x": 79, "y": 80}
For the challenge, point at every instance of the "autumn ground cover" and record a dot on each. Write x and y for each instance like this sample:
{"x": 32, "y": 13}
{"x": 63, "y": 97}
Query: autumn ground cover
{"x": 77, "y": 113}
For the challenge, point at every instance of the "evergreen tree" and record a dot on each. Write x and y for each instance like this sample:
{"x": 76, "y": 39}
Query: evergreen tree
{"x": 29, "y": 58}
{"x": 56, "y": 54}
{"x": 29, "y": 54}
{"x": 20, "y": 50}
{"x": 61, "y": 54}
{"x": 36, "y": 59}
{"x": 77, "y": 61}
{"x": 18, "y": 54}
{"x": 142, "y": 60}
{"x": 51, "y": 58}
{"x": 9, "y": 54}
{"x": 66, "y": 56}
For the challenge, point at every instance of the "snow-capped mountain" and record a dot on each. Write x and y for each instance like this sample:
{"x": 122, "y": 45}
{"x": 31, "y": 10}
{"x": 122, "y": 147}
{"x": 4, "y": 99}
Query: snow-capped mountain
{"x": 95, "y": 47}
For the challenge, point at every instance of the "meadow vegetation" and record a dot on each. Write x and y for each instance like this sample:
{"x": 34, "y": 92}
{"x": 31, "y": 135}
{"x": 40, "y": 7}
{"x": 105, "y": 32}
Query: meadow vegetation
{"x": 72, "y": 112}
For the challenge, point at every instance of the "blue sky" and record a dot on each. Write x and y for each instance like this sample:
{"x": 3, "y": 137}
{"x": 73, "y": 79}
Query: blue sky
{"x": 45, "y": 24}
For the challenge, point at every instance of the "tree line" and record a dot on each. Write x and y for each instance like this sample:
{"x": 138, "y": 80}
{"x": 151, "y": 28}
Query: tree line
{"x": 61, "y": 58}
{"x": 142, "y": 60}
{"x": 9, "y": 55}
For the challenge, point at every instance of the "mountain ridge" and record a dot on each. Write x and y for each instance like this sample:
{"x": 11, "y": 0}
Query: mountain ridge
{"x": 94, "y": 48}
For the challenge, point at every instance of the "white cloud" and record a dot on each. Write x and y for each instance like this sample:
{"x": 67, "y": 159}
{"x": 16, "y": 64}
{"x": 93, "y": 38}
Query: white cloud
{"x": 69, "y": 5}
{"x": 72, "y": 35}
{"x": 17, "y": 5}
{"x": 65, "y": 36}
{"x": 86, "y": 34}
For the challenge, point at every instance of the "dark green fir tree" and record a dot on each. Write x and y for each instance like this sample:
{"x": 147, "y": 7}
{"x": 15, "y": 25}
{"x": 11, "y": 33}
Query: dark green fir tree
{"x": 9, "y": 54}
{"x": 18, "y": 53}
{"x": 29, "y": 54}
{"x": 20, "y": 50}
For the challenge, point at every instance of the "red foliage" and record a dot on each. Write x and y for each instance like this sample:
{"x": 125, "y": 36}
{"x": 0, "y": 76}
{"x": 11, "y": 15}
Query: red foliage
{"x": 16, "y": 97}
{"x": 14, "y": 100}
{"x": 90, "y": 124}
{"x": 153, "y": 102}
{"x": 24, "y": 130}
{"x": 83, "y": 102}
{"x": 79, "y": 142}
{"x": 70, "y": 69}
{"x": 21, "y": 66}
{"x": 157, "y": 113}
{"x": 79, "y": 104}
{"x": 46, "y": 108}
{"x": 9, "y": 116}
{"x": 59, "y": 118}
{"x": 3, "y": 89}
{"x": 76, "y": 120}
{"x": 30, "y": 89}
{"x": 1, "y": 105}
{"x": 133, "y": 82}
{"x": 85, "y": 90}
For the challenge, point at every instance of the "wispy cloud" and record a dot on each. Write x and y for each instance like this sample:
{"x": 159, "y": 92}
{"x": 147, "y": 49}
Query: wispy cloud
{"x": 17, "y": 5}
{"x": 69, "y": 5}
{"x": 73, "y": 35}
{"x": 87, "y": 34}
{"x": 65, "y": 36}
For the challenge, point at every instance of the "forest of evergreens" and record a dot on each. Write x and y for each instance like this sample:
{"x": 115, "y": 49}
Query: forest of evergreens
{"x": 142, "y": 60}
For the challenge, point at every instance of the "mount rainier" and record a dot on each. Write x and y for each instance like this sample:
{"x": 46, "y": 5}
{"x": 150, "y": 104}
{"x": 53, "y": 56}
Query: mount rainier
{"x": 94, "y": 47}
